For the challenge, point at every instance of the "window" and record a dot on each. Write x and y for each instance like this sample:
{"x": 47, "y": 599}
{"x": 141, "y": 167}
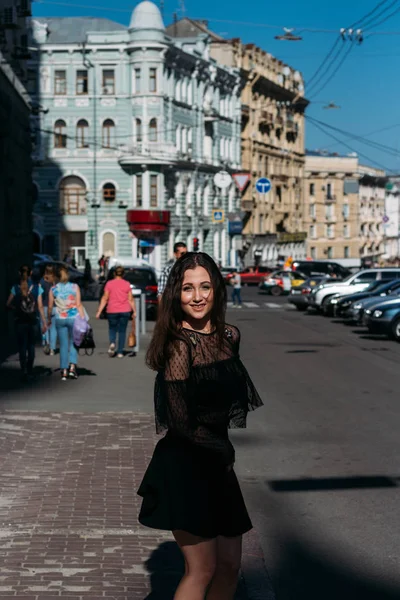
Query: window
{"x": 108, "y": 133}
{"x": 313, "y": 252}
{"x": 82, "y": 87}
{"x": 346, "y": 252}
{"x": 108, "y": 82}
{"x": 279, "y": 193}
{"x": 139, "y": 190}
{"x": 313, "y": 212}
{"x": 329, "y": 193}
{"x": 346, "y": 211}
{"x": 313, "y": 232}
{"x": 153, "y": 190}
{"x": 389, "y": 275}
{"x": 60, "y": 83}
{"x": 312, "y": 189}
{"x": 261, "y": 223}
{"x": 346, "y": 230}
{"x": 330, "y": 231}
{"x": 138, "y": 79}
{"x": 329, "y": 211}
{"x": 153, "y": 130}
{"x": 152, "y": 80}
{"x": 60, "y": 137}
{"x": 73, "y": 196}
{"x": 365, "y": 277}
{"x": 109, "y": 192}
{"x": 82, "y": 129}
{"x": 138, "y": 131}
{"x": 330, "y": 252}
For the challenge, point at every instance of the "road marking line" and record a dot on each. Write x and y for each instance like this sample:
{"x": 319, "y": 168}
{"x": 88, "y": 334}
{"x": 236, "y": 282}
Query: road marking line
{"x": 272, "y": 305}
{"x": 251, "y": 305}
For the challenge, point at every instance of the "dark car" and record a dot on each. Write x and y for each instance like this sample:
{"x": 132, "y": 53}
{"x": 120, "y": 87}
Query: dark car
{"x": 142, "y": 278}
{"x": 320, "y": 267}
{"x": 348, "y": 307}
{"x": 75, "y": 276}
{"x": 384, "y": 318}
{"x": 299, "y": 295}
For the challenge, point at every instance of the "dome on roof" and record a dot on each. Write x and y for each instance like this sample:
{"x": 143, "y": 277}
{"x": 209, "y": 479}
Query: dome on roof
{"x": 146, "y": 15}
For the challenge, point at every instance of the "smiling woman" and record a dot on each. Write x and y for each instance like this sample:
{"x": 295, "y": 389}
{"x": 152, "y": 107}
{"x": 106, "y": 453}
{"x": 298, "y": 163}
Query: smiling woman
{"x": 202, "y": 388}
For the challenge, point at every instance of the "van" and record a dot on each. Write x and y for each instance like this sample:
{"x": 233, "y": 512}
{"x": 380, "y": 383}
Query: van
{"x": 314, "y": 267}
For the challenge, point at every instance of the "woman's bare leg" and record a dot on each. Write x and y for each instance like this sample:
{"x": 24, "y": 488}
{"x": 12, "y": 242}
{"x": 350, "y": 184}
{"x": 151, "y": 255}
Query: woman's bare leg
{"x": 229, "y": 556}
{"x": 200, "y": 556}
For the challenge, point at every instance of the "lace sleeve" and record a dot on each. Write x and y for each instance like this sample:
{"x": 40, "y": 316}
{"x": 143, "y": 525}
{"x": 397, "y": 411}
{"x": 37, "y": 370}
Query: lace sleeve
{"x": 179, "y": 412}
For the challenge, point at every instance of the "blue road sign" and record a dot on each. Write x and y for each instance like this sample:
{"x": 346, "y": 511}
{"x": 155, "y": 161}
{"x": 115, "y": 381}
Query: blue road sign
{"x": 263, "y": 185}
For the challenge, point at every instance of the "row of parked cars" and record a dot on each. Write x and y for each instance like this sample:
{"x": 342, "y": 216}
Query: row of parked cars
{"x": 370, "y": 298}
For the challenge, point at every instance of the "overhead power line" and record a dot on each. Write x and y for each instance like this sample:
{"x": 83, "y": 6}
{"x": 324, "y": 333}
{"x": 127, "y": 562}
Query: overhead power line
{"x": 366, "y": 135}
{"x": 385, "y": 19}
{"x": 371, "y": 12}
{"x": 368, "y": 158}
{"x": 350, "y": 48}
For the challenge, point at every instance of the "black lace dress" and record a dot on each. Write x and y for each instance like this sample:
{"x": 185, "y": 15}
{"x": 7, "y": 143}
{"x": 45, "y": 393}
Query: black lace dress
{"x": 203, "y": 390}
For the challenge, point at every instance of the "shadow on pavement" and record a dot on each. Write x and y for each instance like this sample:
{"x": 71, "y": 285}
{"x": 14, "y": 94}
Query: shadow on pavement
{"x": 301, "y": 574}
{"x": 166, "y": 568}
{"x": 11, "y": 378}
{"x": 333, "y": 483}
{"x": 301, "y": 351}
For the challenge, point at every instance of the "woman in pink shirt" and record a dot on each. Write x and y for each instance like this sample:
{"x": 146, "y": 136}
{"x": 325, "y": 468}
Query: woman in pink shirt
{"x": 120, "y": 303}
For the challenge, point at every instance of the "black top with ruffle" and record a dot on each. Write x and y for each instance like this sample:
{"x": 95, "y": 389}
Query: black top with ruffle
{"x": 205, "y": 389}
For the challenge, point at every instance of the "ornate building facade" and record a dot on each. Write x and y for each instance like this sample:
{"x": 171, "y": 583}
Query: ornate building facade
{"x": 273, "y": 106}
{"x": 133, "y": 130}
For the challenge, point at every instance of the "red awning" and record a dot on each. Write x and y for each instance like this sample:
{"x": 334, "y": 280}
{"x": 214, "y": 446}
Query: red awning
{"x": 148, "y": 220}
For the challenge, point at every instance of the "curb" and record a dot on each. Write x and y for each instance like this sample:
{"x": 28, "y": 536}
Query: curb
{"x": 254, "y": 570}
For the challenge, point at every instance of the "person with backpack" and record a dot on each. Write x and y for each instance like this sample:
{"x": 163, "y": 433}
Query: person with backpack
{"x": 26, "y": 301}
{"x": 66, "y": 298}
{"x": 50, "y": 337}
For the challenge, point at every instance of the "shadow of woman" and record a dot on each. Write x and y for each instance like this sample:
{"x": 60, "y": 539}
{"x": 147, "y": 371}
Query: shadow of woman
{"x": 166, "y": 567}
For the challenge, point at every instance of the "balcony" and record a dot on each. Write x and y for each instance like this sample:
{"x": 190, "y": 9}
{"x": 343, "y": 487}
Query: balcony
{"x": 150, "y": 152}
{"x": 330, "y": 198}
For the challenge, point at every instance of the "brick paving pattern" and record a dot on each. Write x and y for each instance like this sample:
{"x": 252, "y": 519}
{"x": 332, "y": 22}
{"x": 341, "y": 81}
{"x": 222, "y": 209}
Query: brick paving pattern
{"x": 68, "y": 509}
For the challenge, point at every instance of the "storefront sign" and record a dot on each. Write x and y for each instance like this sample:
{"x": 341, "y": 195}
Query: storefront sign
{"x": 287, "y": 238}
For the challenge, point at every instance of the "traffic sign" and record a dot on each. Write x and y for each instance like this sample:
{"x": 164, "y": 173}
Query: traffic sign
{"x": 218, "y": 215}
{"x": 263, "y": 185}
{"x": 222, "y": 179}
{"x": 241, "y": 180}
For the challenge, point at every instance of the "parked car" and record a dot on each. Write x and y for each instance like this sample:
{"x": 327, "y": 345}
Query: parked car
{"x": 251, "y": 275}
{"x": 351, "y": 307}
{"x": 321, "y": 267}
{"x": 384, "y": 318}
{"x": 321, "y": 296}
{"x": 300, "y": 294}
{"x": 75, "y": 276}
{"x": 227, "y": 271}
{"x": 38, "y": 258}
{"x": 144, "y": 278}
{"x": 274, "y": 284}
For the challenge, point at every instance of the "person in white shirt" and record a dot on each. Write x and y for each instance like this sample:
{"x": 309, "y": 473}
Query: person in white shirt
{"x": 236, "y": 281}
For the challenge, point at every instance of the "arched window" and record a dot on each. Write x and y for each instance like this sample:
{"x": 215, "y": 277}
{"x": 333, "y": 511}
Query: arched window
{"x": 60, "y": 136}
{"x": 72, "y": 196}
{"x": 108, "y": 243}
{"x": 82, "y": 130}
{"x": 153, "y": 130}
{"x": 138, "y": 131}
{"x": 108, "y": 133}
{"x": 109, "y": 192}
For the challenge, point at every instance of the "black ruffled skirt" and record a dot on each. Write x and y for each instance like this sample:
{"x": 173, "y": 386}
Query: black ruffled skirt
{"x": 185, "y": 488}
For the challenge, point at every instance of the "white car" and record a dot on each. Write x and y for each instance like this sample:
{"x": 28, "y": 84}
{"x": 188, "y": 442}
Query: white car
{"x": 351, "y": 285}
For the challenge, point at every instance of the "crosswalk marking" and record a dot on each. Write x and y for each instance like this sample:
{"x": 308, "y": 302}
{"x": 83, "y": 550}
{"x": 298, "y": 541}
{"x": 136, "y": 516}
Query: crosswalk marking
{"x": 272, "y": 305}
{"x": 245, "y": 304}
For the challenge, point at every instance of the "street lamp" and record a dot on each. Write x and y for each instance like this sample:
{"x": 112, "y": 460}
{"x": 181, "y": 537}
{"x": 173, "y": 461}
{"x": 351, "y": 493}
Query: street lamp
{"x": 331, "y": 106}
{"x": 288, "y": 36}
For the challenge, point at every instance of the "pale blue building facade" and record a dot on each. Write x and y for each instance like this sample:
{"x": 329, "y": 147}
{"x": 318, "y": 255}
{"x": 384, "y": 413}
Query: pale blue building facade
{"x": 131, "y": 131}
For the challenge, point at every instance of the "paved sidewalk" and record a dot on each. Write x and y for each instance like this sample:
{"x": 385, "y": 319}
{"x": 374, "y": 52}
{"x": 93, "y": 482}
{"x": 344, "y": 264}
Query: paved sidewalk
{"x": 68, "y": 481}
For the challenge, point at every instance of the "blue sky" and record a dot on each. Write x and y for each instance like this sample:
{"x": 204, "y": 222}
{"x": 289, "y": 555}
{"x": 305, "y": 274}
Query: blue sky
{"x": 366, "y": 87}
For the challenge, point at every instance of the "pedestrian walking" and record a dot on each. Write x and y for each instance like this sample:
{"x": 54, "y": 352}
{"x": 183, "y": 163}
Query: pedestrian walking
{"x": 50, "y": 336}
{"x": 87, "y": 276}
{"x": 202, "y": 387}
{"x": 66, "y": 297}
{"x": 180, "y": 249}
{"x": 236, "y": 282}
{"x": 120, "y": 303}
{"x": 26, "y": 300}
{"x": 102, "y": 263}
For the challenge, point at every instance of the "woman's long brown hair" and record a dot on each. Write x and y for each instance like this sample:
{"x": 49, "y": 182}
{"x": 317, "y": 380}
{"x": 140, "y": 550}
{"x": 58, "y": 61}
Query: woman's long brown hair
{"x": 170, "y": 315}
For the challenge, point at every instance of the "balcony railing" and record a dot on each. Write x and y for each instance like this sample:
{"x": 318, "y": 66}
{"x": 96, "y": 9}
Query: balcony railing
{"x": 330, "y": 198}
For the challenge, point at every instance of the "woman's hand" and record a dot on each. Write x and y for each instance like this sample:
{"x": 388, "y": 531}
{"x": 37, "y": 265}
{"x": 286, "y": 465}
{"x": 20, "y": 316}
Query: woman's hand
{"x": 44, "y": 327}
{"x": 98, "y": 314}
